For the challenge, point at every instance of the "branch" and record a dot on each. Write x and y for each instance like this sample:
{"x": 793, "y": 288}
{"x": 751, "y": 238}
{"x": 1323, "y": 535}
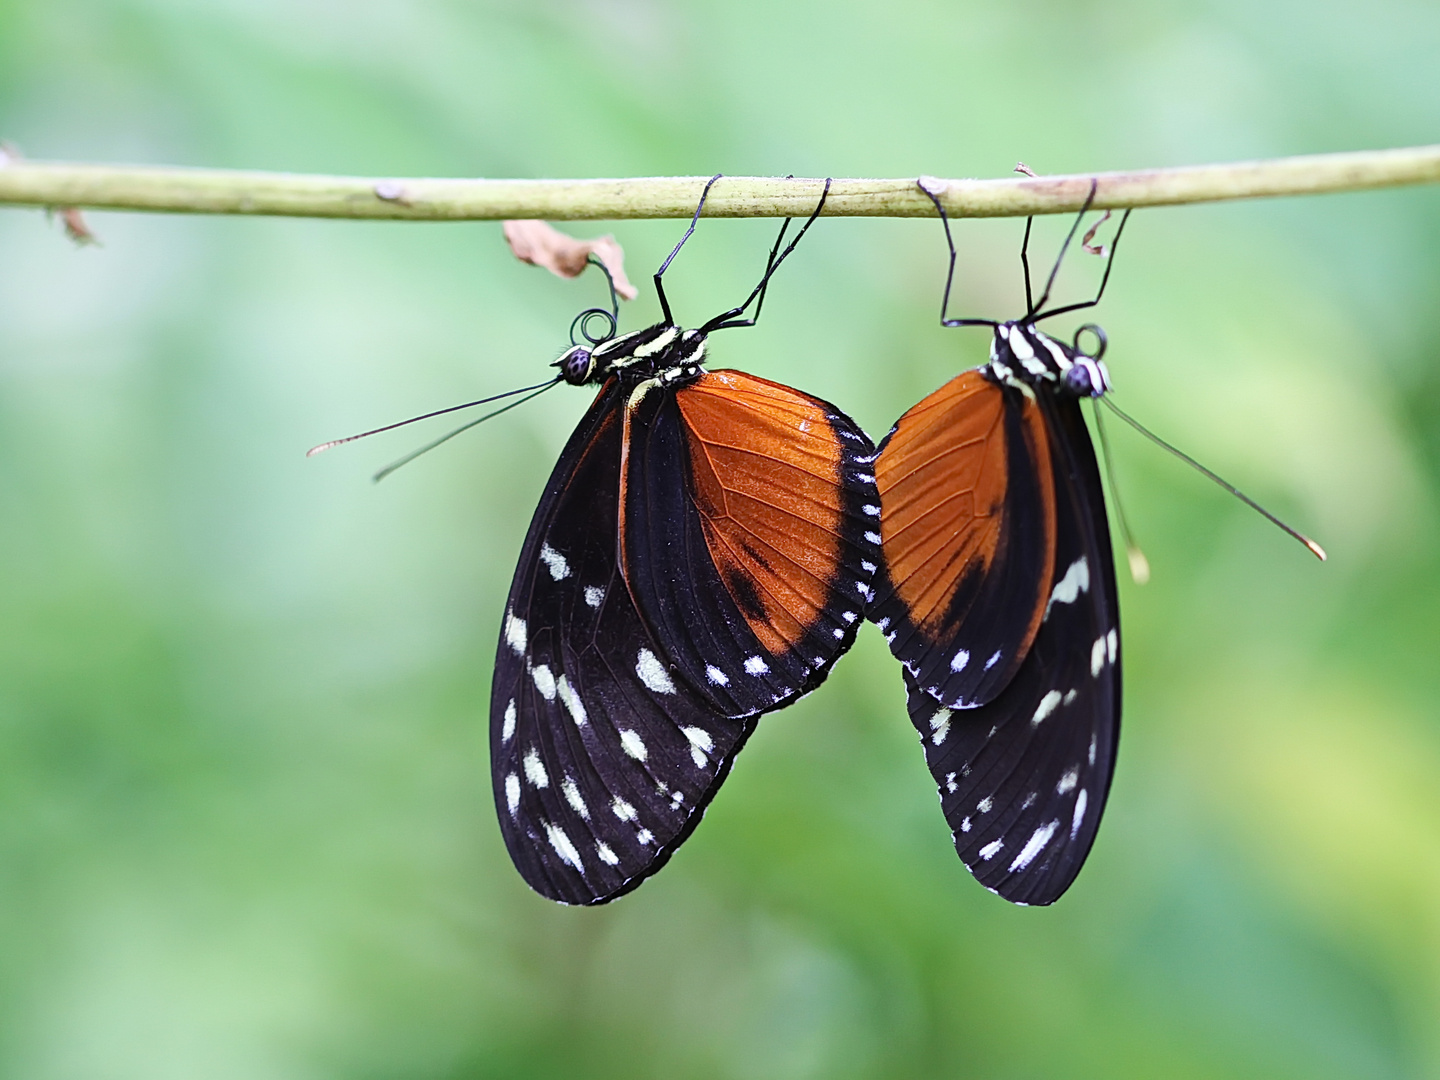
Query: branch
{"x": 216, "y": 191}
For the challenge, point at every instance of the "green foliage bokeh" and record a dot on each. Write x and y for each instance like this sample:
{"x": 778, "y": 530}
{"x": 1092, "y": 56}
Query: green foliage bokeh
{"x": 245, "y": 821}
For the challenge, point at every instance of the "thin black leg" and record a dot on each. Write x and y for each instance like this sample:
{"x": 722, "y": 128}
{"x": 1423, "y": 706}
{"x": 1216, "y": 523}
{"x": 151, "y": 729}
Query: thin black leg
{"x": 1105, "y": 280}
{"x": 950, "y": 275}
{"x": 769, "y": 269}
{"x": 659, "y": 286}
{"x": 1025, "y": 262}
{"x": 1033, "y": 313}
{"x": 732, "y": 317}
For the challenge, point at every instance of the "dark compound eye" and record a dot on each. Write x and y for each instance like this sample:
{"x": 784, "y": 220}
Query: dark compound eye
{"x": 575, "y": 366}
{"x": 1078, "y": 379}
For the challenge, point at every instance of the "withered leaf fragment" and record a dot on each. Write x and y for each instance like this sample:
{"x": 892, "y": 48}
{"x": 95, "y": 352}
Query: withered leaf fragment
{"x": 540, "y": 244}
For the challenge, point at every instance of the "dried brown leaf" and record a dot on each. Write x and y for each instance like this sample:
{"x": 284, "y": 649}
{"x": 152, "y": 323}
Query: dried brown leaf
{"x": 1086, "y": 241}
{"x": 76, "y": 227}
{"x": 540, "y": 244}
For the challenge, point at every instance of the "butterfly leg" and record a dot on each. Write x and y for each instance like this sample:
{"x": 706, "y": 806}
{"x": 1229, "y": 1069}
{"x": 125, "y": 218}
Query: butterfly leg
{"x": 733, "y": 316}
{"x": 1105, "y": 280}
{"x": 659, "y": 285}
{"x": 950, "y": 276}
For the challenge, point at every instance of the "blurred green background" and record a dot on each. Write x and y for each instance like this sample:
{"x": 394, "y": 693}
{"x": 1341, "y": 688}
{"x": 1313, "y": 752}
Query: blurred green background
{"x": 245, "y": 821}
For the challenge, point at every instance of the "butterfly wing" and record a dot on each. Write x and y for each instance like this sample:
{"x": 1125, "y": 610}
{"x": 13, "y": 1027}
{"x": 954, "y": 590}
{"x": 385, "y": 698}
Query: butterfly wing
{"x": 1023, "y": 780}
{"x": 968, "y": 521}
{"x": 749, "y": 535}
{"x": 602, "y": 761}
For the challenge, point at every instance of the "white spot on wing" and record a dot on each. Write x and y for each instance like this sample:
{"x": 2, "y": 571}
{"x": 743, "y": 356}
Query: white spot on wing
{"x": 959, "y": 661}
{"x": 700, "y": 744}
{"x": 994, "y": 659}
{"x": 572, "y": 700}
{"x": 515, "y": 634}
{"x": 594, "y": 595}
{"x": 873, "y": 537}
{"x": 608, "y": 857}
{"x": 1112, "y": 645}
{"x": 950, "y": 785}
{"x": 849, "y": 616}
{"x": 633, "y": 745}
{"x": 985, "y": 805}
{"x": 716, "y": 676}
{"x": 940, "y": 726}
{"x": 623, "y": 810}
{"x": 1097, "y": 657}
{"x": 1092, "y": 749}
{"x": 868, "y": 567}
{"x": 699, "y": 737}
{"x": 1036, "y": 844}
{"x": 1068, "y": 781}
{"x": 571, "y": 791}
{"x": 644, "y": 837}
{"x": 562, "y": 845}
{"x": 535, "y": 770}
{"x": 871, "y": 509}
{"x": 544, "y": 681}
{"x": 990, "y": 850}
{"x": 554, "y": 562}
{"x": 508, "y": 731}
{"x": 1069, "y": 587}
{"x": 965, "y": 824}
{"x": 1080, "y": 801}
{"x": 1048, "y": 704}
{"x": 652, "y": 673}
{"x": 756, "y": 665}
{"x": 512, "y": 791}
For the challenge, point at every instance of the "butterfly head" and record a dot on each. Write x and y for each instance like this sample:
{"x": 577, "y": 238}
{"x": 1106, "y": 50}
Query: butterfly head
{"x": 576, "y": 364}
{"x": 662, "y": 351}
{"x": 1021, "y": 354}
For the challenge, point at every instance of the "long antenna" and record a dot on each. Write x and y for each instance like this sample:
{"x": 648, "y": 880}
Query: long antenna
{"x": 416, "y": 419}
{"x": 464, "y": 427}
{"x": 1315, "y": 548}
{"x": 1139, "y": 565}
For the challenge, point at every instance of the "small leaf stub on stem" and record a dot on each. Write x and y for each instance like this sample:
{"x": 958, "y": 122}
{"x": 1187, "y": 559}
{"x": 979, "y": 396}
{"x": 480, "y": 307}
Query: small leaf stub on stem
{"x": 540, "y": 244}
{"x": 76, "y": 227}
{"x": 932, "y": 185}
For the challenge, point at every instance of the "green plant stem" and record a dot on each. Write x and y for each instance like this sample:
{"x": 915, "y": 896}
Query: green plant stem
{"x": 216, "y": 191}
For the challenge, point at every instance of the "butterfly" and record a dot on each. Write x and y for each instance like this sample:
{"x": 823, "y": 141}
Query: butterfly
{"x": 702, "y": 554}
{"x": 997, "y": 593}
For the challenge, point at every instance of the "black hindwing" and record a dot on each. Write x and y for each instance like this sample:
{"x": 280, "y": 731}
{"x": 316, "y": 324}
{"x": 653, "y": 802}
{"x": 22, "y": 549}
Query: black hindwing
{"x": 1024, "y": 779}
{"x": 603, "y": 758}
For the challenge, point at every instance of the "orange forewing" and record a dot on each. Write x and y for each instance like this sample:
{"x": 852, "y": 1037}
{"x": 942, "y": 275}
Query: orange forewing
{"x": 765, "y": 468}
{"x": 942, "y": 480}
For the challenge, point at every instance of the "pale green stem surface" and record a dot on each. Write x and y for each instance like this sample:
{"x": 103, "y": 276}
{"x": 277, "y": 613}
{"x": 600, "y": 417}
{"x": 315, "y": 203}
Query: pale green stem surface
{"x": 216, "y": 191}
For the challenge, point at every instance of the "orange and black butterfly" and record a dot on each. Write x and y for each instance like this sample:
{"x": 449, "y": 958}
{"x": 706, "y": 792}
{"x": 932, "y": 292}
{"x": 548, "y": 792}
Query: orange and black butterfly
{"x": 997, "y": 594}
{"x": 701, "y": 555}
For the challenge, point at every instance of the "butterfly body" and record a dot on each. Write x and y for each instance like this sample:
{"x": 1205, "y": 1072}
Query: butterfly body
{"x": 702, "y": 554}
